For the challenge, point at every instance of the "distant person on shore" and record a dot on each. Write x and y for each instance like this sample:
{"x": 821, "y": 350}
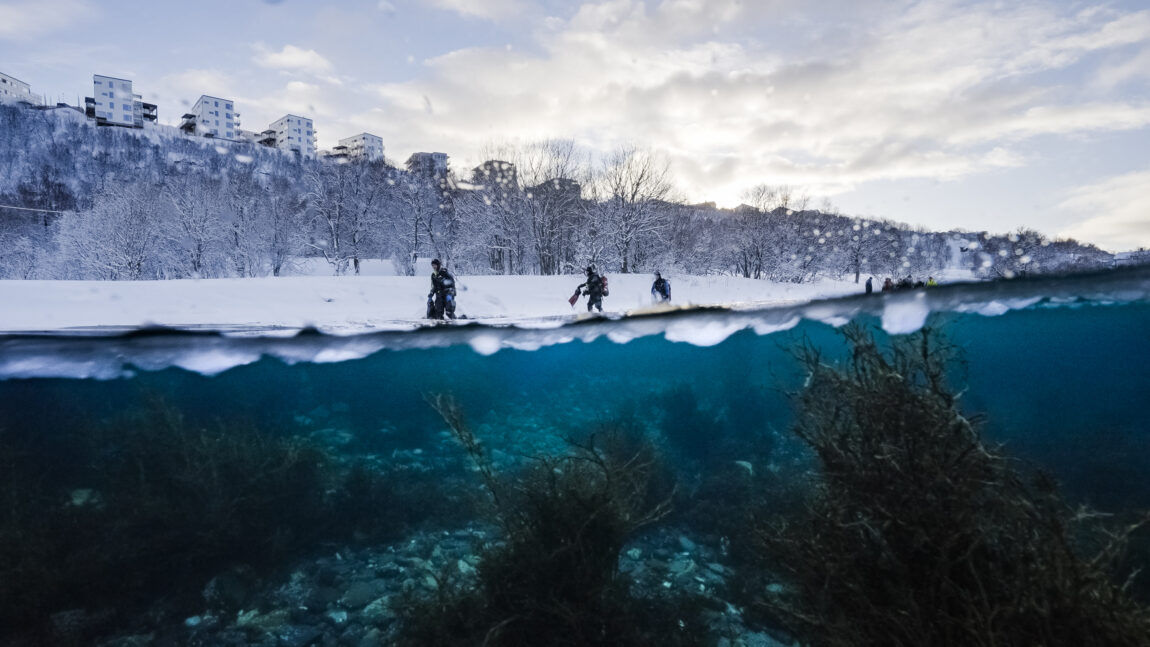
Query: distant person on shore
{"x": 869, "y": 287}
{"x": 441, "y": 299}
{"x": 887, "y": 285}
{"x": 930, "y": 282}
{"x": 593, "y": 289}
{"x": 661, "y": 289}
{"x": 904, "y": 284}
{"x": 919, "y": 284}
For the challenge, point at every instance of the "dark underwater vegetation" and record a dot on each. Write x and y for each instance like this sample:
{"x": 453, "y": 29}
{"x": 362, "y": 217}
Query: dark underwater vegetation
{"x": 979, "y": 482}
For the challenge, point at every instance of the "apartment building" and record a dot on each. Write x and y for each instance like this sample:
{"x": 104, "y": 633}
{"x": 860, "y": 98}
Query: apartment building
{"x": 429, "y": 164}
{"x": 363, "y": 147}
{"x": 114, "y": 104}
{"x": 293, "y": 133}
{"x": 213, "y": 117}
{"x": 337, "y": 154}
{"x": 13, "y": 90}
{"x": 497, "y": 175}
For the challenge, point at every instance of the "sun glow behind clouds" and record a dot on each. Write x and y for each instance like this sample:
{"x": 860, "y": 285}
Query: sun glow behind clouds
{"x": 931, "y": 90}
{"x": 1115, "y": 212}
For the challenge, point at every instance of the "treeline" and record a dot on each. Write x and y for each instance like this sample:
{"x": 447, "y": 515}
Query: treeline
{"x": 118, "y": 204}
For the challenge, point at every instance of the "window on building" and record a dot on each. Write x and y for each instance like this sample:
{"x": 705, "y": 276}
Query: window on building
{"x": 227, "y": 106}
{"x": 217, "y": 104}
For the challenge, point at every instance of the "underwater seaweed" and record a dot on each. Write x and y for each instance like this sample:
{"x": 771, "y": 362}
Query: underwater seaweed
{"x": 554, "y": 577}
{"x": 919, "y": 533}
{"x": 161, "y": 507}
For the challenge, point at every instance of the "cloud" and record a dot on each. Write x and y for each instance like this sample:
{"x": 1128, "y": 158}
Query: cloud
{"x": 292, "y": 59}
{"x": 1114, "y": 213}
{"x": 301, "y": 98}
{"x": 28, "y": 20}
{"x": 178, "y": 92}
{"x": 1119, "y": 71}
{"x": 486, "y": 9}
{"x": 933, "y": 89}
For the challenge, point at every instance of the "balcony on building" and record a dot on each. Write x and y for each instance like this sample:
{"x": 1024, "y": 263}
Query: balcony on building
{"x": 188, "y": 123}
{"x": 151, "y": 111}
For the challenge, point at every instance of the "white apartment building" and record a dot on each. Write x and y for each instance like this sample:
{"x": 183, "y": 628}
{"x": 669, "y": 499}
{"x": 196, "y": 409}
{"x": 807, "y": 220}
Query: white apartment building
{"x": 212, "y": 117}
{"x": 13, "y": 90}
{"x": 363, "y": 147}
{"x": 113, "y": 103}
{"x": 296, "y": 134}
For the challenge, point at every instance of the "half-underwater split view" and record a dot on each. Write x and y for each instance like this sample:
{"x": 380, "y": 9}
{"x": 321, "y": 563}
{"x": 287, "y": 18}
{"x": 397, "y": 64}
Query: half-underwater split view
{"x": 574, "y": 323}
{"x": 803, "y": 477}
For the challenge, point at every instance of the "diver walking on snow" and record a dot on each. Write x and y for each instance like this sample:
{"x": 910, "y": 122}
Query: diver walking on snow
{"x": 661, "y": 289}
{"x": 595, "y": 288}
{"x": 441, "y": 299}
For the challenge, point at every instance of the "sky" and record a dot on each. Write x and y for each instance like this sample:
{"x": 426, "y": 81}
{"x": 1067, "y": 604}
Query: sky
{"x": 946, "y": 114}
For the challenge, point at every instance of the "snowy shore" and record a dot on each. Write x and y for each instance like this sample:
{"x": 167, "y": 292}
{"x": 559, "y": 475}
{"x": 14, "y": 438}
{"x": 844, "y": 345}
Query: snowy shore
{"x": 354, "y": 304}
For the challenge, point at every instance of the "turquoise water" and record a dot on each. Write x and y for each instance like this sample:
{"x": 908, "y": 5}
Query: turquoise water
{"x": 1069, "y": 385}
{"x": 1063, "y": 383}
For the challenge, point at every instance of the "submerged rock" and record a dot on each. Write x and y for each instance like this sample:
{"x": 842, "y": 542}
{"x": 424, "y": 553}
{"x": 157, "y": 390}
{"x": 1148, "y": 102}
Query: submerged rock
{"x": 373, "y": 638}
{"x": 682, "y": 566}
{"x": 81, "y": 497}
{"x": 337, "y": 617}
{"x": 378, "y": 612}
{"x": 359, "y": 594}
{"x": 300, "y": 636}
{"x": 229, "y": 590}
{"x": 465, "y": 568}
{"x": 333, "y": 437}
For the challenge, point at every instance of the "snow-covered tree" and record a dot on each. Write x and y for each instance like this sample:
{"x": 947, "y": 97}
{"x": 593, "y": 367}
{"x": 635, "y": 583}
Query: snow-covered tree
{"x": 284, "y": 215}
{"x": 347, "y": 205}
{"x": 412, "y": 205}
{"x": 632, "y": 189}
{"x": 190, "y": 215}
{"x": 552, "y": 174}
{"x": 494, "y": 215}
{"x": 117, "y": 239}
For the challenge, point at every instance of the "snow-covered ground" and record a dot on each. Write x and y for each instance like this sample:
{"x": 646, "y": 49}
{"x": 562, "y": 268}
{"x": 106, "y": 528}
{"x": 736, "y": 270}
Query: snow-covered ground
{"x": 351, "y": 304}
